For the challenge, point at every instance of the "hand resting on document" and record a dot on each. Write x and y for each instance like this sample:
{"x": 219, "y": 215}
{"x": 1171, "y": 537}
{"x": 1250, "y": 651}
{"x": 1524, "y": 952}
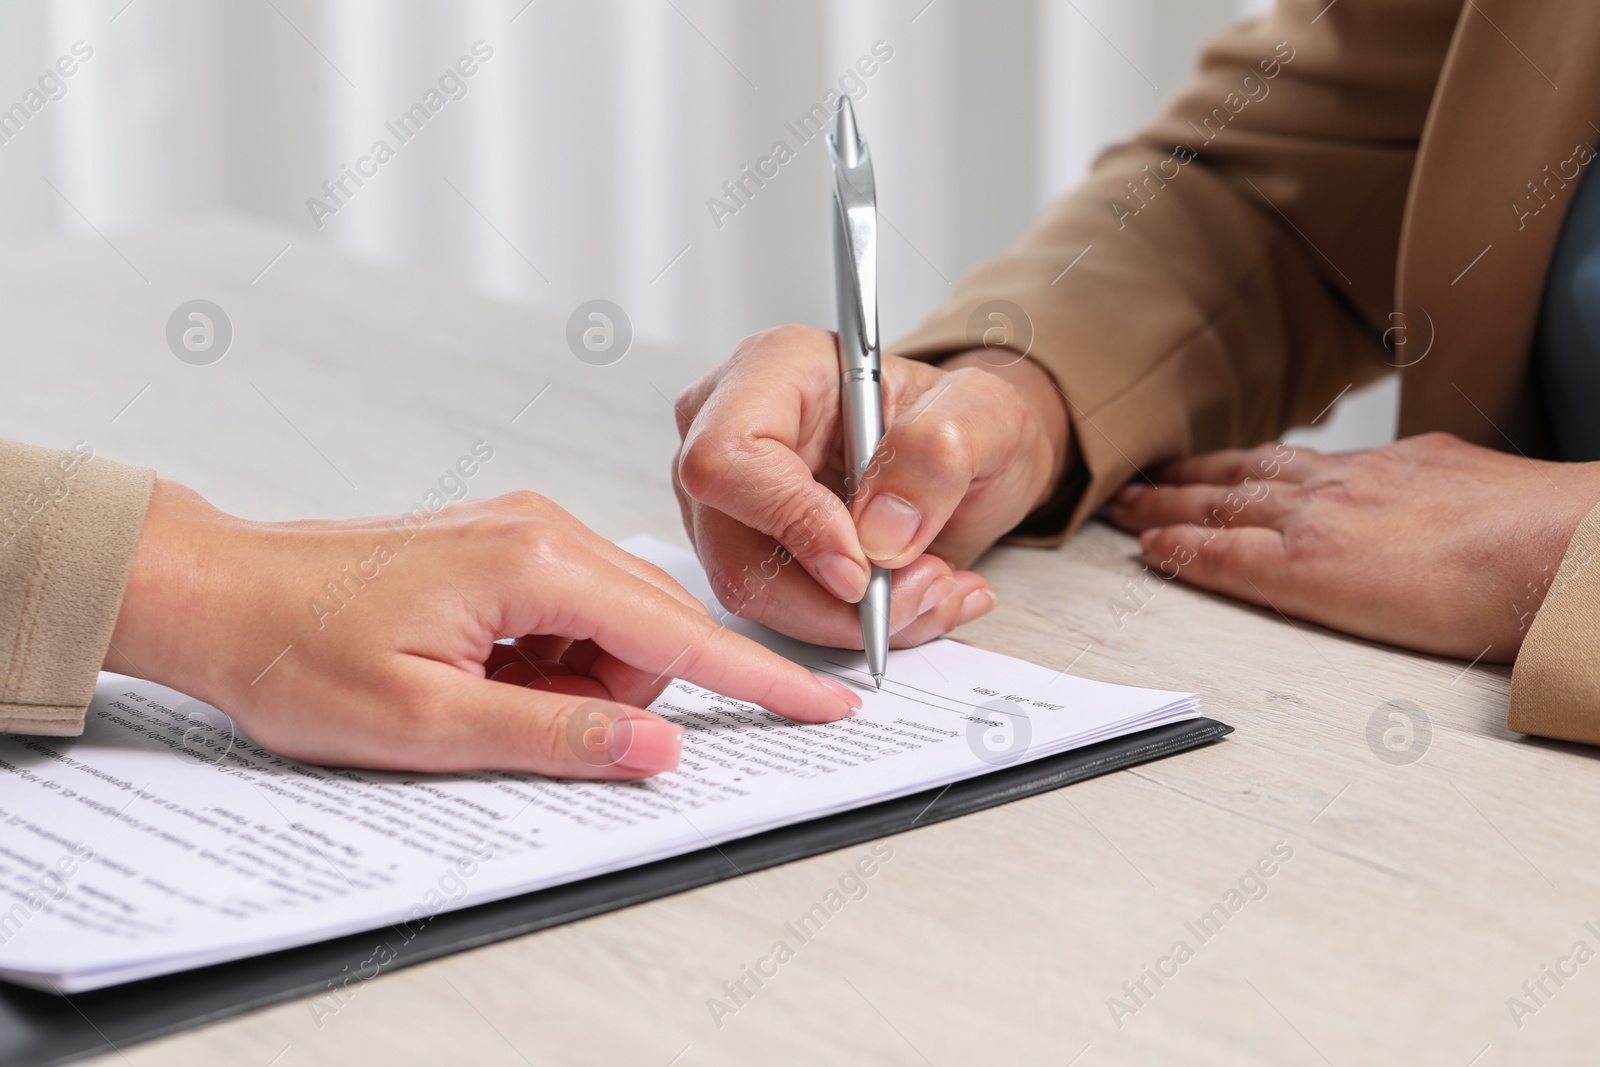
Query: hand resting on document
{"x": 348, "y": 642}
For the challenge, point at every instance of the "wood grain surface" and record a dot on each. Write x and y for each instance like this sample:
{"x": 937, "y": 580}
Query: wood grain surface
{"x": 1415, "y": 900}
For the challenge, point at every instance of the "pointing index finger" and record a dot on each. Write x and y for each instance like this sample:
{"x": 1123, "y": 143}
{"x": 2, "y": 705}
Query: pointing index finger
{"x": 652, "y": 631}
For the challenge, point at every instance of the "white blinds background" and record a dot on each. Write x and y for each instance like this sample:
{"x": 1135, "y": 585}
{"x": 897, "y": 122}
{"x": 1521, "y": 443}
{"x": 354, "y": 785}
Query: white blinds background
{"x": 580, "y": 160}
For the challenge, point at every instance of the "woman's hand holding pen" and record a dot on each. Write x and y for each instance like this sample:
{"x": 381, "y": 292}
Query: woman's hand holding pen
{"x": 971, "y": 447}
{"x": 375, "y": 642}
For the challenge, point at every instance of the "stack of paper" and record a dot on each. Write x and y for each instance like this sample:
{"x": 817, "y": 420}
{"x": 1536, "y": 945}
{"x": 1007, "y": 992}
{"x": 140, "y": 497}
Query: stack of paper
{"x": 165, "y": 839}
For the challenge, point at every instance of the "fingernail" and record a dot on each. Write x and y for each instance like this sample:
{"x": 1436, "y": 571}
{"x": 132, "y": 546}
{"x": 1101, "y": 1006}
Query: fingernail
{"x": 843, "y": 576}
{"x": 850, "y": 696}
{"x": 1148, "y": 538}
{"x": 645, "y": 746}
{"x": 1130, "y": 492}
{"x": 941, "y": 587}
{"x": 978, "y": 602}
{"x": 887, "y": 526}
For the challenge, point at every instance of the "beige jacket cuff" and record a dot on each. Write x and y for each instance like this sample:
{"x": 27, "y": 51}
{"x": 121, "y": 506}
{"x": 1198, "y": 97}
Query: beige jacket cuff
{"x": 1555, "y": 685}
{"x": 69, "y": 524}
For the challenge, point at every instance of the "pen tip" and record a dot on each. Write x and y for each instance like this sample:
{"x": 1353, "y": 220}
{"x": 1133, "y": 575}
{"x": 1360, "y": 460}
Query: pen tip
{"x": 845, "y": 135}
{"x": 877, "y": 680}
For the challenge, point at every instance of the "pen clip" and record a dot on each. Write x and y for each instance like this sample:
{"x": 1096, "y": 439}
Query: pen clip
{"x": 856, "y": 201}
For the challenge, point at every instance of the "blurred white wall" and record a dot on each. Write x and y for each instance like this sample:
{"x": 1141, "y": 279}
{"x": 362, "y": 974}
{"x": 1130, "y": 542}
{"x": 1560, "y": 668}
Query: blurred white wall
{"x": 580, "y": 159}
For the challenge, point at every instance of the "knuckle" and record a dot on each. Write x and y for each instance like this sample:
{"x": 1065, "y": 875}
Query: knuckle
{"x": 1304, "y": 544}
{"x": 940, "y": 440}
{"x": 1267, "y": 461}
{"x": 524, "y": 502}
{"x": 990, "y": 390}
{"x": 1217, "y": 516}
{"x": 1232, "y": 555}
{"x": 418, "y": 718}
{"x": 545, "y": 734}
{"x": 1328, "y": 499}
{"x": 789, "y": 336}
{"x": 687, "y": 404}
{"x": 1173, "y": 553}
{"x": 659, "y": 577}
{"x": 739, "y": 590}
{"x": 693, "y": 658}
{"x": 546, "y": 551}
{"x": 1344, "y": 473}
{"x": 977, "y": 386}
{"x": 704, "y": 463}
{"x": 748, "y": 589}
{"x": 530, "y": 551}
{"x": 806, "y": 528}
{"x": 1372, "y": 459}
{"x": 1438, "y": 440}
{"x": 695, "y": 639}
{"x": 745, "y": 596}
{"x": 1265, "y": 450}
{"x": 794, "y": 520}
{"x": 677, "y": 476}
{"x": 1260, "y": 457}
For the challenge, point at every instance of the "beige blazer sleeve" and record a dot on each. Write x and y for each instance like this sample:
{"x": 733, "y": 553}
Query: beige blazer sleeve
{"x": 1555, "y": 684}
{"x": 1228, "y": 272}
{"x": 69, "y": 523}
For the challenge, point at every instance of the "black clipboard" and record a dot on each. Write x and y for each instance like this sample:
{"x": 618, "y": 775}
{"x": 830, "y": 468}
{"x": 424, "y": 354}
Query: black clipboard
{"x": 37, "y": 1029}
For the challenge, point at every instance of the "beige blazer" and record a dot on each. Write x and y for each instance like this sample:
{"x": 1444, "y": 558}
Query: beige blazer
{"x": 69, "y": 523}
{"x": 1344, "y": 190}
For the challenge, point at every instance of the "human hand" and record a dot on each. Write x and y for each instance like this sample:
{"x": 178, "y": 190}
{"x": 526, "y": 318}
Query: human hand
{"x": 971, "y": 447}
{"x": 372, "y": 642}
{"x": 1429, "y": 543}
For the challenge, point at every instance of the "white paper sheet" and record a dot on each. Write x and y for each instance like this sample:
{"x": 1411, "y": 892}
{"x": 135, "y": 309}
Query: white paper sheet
{"x": 164, "y": 839}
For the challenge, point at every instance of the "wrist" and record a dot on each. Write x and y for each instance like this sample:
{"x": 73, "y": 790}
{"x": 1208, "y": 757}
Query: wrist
{"x": 1043, "y": 397}
{"x": 168, "y": 615}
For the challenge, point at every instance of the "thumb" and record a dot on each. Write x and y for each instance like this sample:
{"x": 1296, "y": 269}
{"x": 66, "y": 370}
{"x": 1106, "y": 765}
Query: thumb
{"x": 480, "y": 724}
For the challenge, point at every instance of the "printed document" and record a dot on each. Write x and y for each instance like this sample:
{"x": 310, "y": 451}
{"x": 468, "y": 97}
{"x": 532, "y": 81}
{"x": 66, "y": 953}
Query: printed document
{"x": 164, "y": 838}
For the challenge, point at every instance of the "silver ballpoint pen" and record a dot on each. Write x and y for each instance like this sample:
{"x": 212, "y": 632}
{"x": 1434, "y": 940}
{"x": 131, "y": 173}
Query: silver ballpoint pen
{"x": 855, "y": 266}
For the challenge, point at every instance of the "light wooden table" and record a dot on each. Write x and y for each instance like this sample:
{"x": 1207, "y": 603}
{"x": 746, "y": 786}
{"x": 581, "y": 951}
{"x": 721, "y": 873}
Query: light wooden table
{"x": 1418, "y": 899}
